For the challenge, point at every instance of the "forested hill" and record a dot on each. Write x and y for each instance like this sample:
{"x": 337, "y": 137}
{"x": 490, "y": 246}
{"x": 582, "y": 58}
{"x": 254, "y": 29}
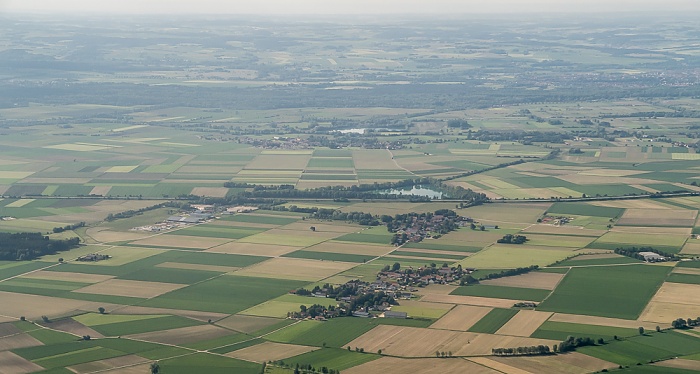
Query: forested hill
{"x": 28, "y": 246}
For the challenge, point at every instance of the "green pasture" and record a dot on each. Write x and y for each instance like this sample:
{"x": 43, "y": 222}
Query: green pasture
{"x": 502, "y": 292}
{"x": 653, "y": 346}
{"x": 328, "y": 256}
{"x": 511, "y": 256}
{"x": 212, "y": 364}
{"x": 436, "y": 245}
{"x": 225, "y": 294}
{"x": 561, "y": 330}
{"x": 211, "y": 231}
{"x": 332, "y": 358}
{"x": 268, "y": 219}
{"x": 144, "y": 325}
{"x": 607, "y": 291}
{"x": 493, "y": 321}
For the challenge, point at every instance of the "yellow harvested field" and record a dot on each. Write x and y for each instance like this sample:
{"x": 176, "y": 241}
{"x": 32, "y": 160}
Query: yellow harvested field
{"x": 351, "y": 248}
{"x": 184, "y": 335}
{"x": 500, "y": 366}
{"x": 461, "y": 318}
{"x": 181, "y": 241}
{"x": 546, "y": 281}
{"x": 468, "y": 300}
{"x": 270, "y": 351}
{"x": 373, "y": 159}
{"x": 121, "y": 169}
{"x": 275, "y": 162}
{"x": 562, "y": 230}
{"x": 438, "y": 289}
{"x": 653, "y": 230}
{"x": 19, "y": 203}
{"x": 524, "y": 323}
{"x": 419, "y": 309}
{"x": 102, "y": 235}
{"x": 11, "y": 363}
{"x": 242, "y": 224}
{"x": 290, "y": 237}
{"x": 691, "y": 271}
{"x": 656, "y": 217}
{"x": 100, "y": 190}
{"x": 633, "y": 204}
{"x": 121, "y": 256}
{"x": 18, "y": 341}
{"x": 672, "y": 300}
{"x": 610, "y": 172}
{"x": 253, "y": 249}
{"x": 322, "y": 227}
{"x": 68, "y": 277}
{"x": 194, "y": 314}
{"x": 570, "y": 363}
{"x": 679, "y": 363}
{"x": 247, "y": 324}
{"x": 295, "y": 268}
{"x": 110, "y": 363}
{"x": 691, "y": 247}
{"x": 5, "y": 174}
{"x": 586, "y": 257}
{"x": 210, "y": 191}
{"x": 422, "y": 342}
{"x": 178, "y": 265}
{"x": 129, "y": 288}
{"x": 393, "y": 365}
{"x": 599, "y": 321}
{"x": 34, "y": 306}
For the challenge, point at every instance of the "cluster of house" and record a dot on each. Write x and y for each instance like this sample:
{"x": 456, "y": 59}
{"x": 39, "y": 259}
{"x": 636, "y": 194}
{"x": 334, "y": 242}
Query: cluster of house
{"x": 93, "y": 257}
{"x": 432, "y": 226}
{"x": 422, "y": 276}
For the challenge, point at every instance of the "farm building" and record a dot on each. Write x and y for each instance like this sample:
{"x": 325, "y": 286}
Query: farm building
{"x": 652, "y": 257}
{"x": 183, "y": 219}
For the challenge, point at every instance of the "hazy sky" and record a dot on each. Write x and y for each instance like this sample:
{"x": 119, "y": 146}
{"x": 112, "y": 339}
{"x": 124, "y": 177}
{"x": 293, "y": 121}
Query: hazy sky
{"x": 342, "y": 6}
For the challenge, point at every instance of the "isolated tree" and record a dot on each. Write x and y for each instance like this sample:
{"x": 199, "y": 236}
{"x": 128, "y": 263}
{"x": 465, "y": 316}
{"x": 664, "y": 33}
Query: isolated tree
{"x": 101, "y": 310}
{"x": 641, "y": 330}
{"x": 155, "y": 368}
{"x": 658, "y": 329}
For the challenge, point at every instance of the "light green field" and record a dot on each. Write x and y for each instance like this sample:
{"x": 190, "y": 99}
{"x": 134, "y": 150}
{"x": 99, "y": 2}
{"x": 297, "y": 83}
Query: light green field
{"x": 511, "y": 256}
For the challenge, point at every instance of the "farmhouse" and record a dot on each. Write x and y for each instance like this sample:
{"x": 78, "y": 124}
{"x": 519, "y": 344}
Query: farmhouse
{"x": 652, "y": 257}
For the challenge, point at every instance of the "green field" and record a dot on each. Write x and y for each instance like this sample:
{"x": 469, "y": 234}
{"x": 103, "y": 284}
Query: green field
{"x": 560, "y": 330}
{"x": 493, "y": 321}
{"x": 654, "y": 346}
{"x": 332, "y": 358}
{"x": 328, "y": 256}
{"x": 224, "y": 294}
{"x": 502, "y": 292}
{"x": 608, "y": 291}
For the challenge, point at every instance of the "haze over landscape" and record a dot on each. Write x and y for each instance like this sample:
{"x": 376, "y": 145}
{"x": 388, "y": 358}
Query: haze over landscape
{"x": 369, "y": 7}
{"x": 317, "y": 187}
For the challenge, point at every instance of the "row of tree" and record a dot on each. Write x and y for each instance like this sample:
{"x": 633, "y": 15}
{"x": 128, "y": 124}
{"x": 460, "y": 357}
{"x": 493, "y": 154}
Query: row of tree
{"x": 510, "y": 272}
{"x": 522, "y": 351}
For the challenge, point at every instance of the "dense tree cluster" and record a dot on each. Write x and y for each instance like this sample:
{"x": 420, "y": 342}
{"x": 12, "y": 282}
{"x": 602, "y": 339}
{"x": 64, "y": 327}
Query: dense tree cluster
{"x": 301, "y": 368}
{"x": 512, "y": 239}
{"x": 571, "y": 343}
{"x": 361, "y": 218}
{"x": 681, "y": 323}
{"x": 28, "y": 246}
{"x": 59, "y": 229}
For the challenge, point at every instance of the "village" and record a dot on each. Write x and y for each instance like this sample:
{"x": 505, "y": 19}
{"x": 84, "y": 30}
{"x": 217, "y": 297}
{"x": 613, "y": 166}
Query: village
{"x": 362, "y": 299}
